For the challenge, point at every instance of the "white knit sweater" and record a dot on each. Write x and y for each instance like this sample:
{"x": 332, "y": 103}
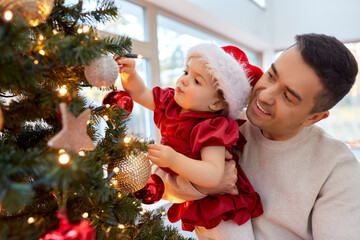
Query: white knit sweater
{"x": 309, "y": 186}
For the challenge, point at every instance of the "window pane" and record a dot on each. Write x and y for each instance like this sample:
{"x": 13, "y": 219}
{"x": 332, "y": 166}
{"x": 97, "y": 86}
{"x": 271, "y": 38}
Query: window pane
{"x": 344, "y": 120}
{"x": 174, "y": 39}
{"x": 130, "y": 23}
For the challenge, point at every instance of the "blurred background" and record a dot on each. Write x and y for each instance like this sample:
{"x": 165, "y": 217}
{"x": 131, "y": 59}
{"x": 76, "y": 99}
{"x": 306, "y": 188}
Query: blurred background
{"x": 163, "y": 30}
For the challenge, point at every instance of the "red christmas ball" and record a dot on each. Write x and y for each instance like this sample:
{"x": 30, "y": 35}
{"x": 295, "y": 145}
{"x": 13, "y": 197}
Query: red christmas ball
{"x": 119, "y": 98}
{"x": 153, "y": 190}
{"x": 70, "y": 231}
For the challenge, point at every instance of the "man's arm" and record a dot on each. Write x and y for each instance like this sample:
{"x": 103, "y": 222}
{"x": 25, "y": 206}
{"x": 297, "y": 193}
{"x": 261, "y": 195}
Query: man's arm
{"x": 336, "y": 212}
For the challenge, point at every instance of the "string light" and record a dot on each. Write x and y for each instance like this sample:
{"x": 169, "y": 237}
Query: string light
{"x": 8, "y": 15}
{"x": 82, "y": 153}
{"x": 61, "y": 151}
{"x": 107, "y": 105}
{"x": 63, "y": 90}
{"x": 116, "y": 170}
{"x": 41, "y": 37}
{"x": 120, "y": 195}
{"x": 141, "y": 140}
{"x": 79, "y": 31}
{"x": 55, "y": 31}
{"x": 85, "y": 28}
{"x": 121, "y": 226}
{"x": 106, "y": 117}
{"x": 127, "y": 139}
{"x": 36, "y": 62}
{"x": 85, "y": 215}
{"x": 64, "y": 159}
{"x": 42, "y": 52}
{"x": 31, "y": 220}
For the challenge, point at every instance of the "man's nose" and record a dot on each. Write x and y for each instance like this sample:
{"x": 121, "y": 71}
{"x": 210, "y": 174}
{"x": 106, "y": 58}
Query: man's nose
{"x": 267, "y": 95}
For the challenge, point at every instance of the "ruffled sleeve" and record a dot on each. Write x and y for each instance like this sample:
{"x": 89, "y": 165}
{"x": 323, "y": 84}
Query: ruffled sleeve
{"x": 162, "y": 98}
{"x": 220, "y": 131}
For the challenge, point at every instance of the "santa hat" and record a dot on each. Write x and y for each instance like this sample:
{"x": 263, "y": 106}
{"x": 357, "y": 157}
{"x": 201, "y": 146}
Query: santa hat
{"x": 234, "y": 74}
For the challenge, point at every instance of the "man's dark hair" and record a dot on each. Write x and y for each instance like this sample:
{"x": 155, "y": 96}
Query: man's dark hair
{"x": 333, "y": 63}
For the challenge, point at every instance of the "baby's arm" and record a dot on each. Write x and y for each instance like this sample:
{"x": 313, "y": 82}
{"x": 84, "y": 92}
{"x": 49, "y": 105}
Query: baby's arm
{"x": 206, "y": 173}
{"x": 134, "y": 85}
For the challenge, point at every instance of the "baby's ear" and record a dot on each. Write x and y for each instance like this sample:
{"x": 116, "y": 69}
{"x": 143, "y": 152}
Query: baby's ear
{"x": 217, "y": 105}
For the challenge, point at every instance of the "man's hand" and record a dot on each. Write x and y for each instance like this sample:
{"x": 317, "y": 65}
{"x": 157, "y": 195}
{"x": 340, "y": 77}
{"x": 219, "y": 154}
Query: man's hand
{"x": 161, "y": 155}
{"x": 228, "y": 182}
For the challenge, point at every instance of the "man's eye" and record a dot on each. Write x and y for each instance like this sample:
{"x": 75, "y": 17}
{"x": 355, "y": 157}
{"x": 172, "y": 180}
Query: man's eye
{"x": 286, "y": 97}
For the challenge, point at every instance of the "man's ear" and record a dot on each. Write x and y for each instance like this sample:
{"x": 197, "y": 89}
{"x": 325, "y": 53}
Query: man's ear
{"x": 315, "y": 117}
{"x": 217, "y": 105}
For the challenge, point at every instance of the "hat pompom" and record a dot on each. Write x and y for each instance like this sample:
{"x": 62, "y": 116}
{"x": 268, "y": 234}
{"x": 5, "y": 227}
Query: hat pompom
{"x": 234, "y": 74}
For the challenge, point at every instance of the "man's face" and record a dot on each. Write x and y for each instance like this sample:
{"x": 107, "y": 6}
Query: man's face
{"x": 281, "y": 100}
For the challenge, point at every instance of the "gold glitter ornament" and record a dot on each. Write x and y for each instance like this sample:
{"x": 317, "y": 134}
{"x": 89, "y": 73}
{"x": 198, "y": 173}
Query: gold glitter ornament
{"x": 34, "y": 11}
{"x": 134, "y": 173}
{"x": 102, "y": 72}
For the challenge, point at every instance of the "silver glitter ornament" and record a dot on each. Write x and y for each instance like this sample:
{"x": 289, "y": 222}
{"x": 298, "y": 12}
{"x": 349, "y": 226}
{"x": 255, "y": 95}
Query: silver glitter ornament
{"x": 102, "y": 72}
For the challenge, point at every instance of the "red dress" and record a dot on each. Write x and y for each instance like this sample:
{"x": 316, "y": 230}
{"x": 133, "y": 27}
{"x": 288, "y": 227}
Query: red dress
{"x": 187, "y": 133}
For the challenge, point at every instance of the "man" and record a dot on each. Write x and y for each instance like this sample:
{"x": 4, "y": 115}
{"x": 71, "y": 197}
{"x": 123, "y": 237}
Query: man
{"x": 308, "y": 181}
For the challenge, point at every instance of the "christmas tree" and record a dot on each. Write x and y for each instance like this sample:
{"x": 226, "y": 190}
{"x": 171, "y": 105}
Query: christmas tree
{"x": 60, "y": 178}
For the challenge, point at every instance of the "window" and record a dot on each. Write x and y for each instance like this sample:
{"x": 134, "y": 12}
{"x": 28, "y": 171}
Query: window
{"x": 174, "y": 39}
{"x": 343, "y": 122}
{"x": 131, "y": 21}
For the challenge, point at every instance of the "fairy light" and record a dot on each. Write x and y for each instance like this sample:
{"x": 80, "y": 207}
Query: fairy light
{"x": 85, "y": 215}
{"x": 42, "y": 52}
{"x": 63, "y": 90}
{"x": 116, "y": 170}
{"x": 162, "y": 212}
{"x": 36, "y": 62}
{"x": 79, "y": 31}
{"x": 64, "y": 159}
{"x": 8, "y": 15}
{"x": 106, "y": 117}
{"x": 54, "y": 31}
{"x": 85, "y": 29}
{"x": 121, "y": 226}
{"x": 41, "y": 37}
{"x": 31, "y": 220}
{"x": 119, "y": 195}
{"x": 107, "y": 105}
{"x": 114, "y": 182}
{"x": 127, "y": 139}
{"x": 61, "y": 151}
{"x": 141, "y": 140}
{"x": 82, "y": 154}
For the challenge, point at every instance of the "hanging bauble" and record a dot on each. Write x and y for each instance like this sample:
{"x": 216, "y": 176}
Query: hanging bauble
{"x": 1, "y": 120}
{"x": 70, "y": 231}
{"x": 102, "y": 72}
{"x": 153, "y": 190}
{"x": 119, "y": 98}
{"x": 134, "y": 172}
{"x": 34, "y": 11}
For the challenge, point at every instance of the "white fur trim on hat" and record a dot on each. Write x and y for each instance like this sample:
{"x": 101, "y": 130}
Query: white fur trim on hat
{"x": 230, "y": 75}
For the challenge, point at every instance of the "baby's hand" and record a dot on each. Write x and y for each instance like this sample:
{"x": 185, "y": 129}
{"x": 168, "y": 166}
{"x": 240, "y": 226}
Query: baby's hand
{"x": 161, "y": 155}
{"x": 126, "y": 65}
